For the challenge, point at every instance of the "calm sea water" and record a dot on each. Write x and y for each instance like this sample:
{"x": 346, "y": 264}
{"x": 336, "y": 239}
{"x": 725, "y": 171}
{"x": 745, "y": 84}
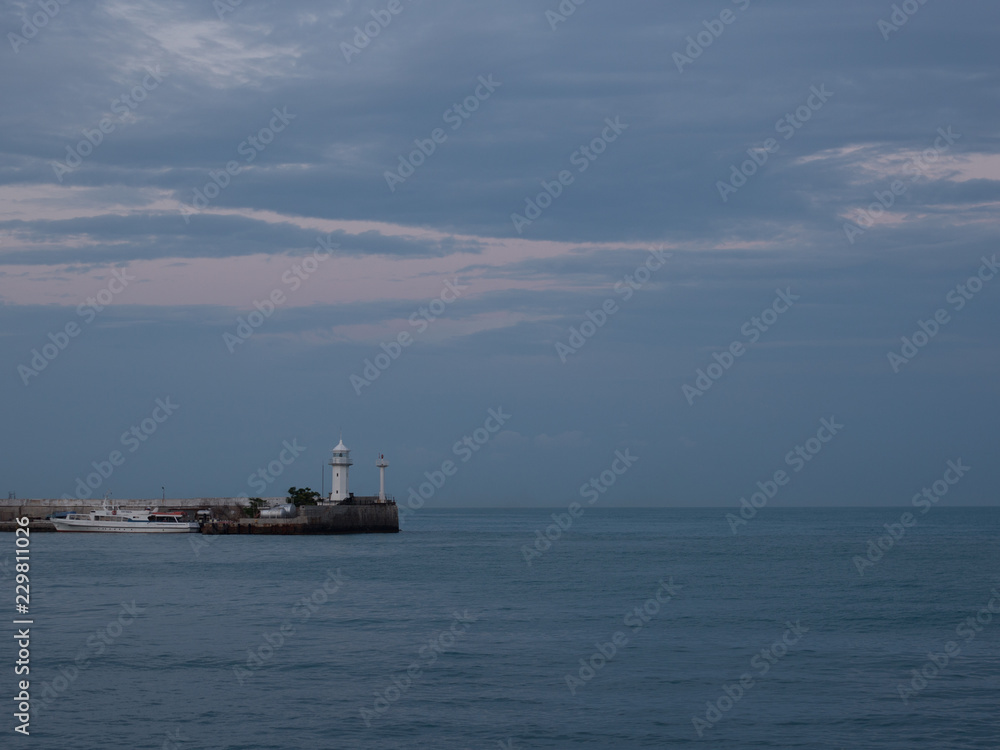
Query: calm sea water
{"x": 306, "y": 642}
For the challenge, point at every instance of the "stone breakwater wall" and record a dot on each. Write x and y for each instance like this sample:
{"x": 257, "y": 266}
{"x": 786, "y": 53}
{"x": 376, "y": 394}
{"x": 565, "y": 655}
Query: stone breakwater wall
{"x": 41, "y": 507}
{"x": 317, "y": 519}
{"x": 362, "y": 517}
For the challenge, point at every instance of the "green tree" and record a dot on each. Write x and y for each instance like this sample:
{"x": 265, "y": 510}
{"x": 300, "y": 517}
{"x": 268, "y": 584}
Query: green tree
{"x": 253, "y": 509}
{"x": 304, "y": 496}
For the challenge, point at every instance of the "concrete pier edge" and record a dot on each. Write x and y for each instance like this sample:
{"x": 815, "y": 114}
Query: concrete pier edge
{"x": 353, "y": 518}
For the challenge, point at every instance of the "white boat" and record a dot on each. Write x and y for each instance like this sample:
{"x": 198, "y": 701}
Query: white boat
{"x": 111, "y": 518}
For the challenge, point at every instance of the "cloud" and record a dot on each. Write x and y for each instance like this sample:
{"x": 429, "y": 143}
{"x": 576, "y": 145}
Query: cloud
{"x": 144, "y": 236}
{"x": 62, "y": 232}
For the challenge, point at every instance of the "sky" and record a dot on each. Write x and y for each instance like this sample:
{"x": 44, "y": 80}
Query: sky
{"x": 671, "y": 254}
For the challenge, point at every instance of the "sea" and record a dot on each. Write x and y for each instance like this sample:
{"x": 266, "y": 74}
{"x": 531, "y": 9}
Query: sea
{"x": 486, "y": 629}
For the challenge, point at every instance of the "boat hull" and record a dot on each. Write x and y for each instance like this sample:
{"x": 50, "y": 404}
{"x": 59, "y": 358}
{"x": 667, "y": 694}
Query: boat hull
{"x": 125, "y": 527}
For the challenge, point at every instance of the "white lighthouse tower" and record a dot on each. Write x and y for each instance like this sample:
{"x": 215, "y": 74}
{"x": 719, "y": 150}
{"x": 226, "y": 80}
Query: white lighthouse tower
{"x": 381, "y": 464}
{"x": 340, "y": 462}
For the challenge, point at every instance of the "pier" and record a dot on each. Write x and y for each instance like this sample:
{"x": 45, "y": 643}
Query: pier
{"x": 354, "y": 518}
{"x": 340, "y": 512}
{"x": 225, "y": 515}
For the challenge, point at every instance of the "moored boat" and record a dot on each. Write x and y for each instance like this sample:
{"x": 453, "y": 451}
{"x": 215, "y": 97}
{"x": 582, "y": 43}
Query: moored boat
{"x": 125, "y": 520}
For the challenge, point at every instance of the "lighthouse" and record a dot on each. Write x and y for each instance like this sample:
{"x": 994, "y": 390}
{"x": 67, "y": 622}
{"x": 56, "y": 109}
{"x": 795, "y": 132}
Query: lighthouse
{"x": 381, "y": 464}
{"x": 340, "y": 462}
